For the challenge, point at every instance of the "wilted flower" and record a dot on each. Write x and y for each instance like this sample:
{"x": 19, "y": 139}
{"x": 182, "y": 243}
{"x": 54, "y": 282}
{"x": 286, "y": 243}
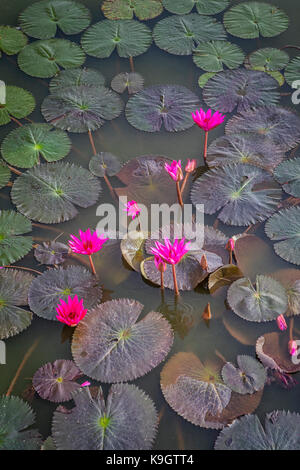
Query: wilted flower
{"x": 132, "y": 209}
{"x": 281, "y": 323}
{"x": 191, "y": 166}
{"x": 171, "y": 254}
{"x": 175, "y": 170}
{"x": 207, "y": 120}
{"x": 160, "y": 264}
{"x": 70, "y": 312}
{"x": 87, "y": 243}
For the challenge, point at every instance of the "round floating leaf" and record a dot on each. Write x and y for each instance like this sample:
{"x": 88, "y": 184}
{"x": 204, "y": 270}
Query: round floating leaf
{"x": 19, "y": 104}
{"x": 284, "y": 228}
{"x": 273, "y": 351}
{"x": 223, "y": 276}
{"x": 277, "y": 124}
{"x": 269, "y": 58}
{"x": 253, "y": 255}
{"x": 81, "y": 108}
{"x": 109, "y": 344}
{"x": 55, "y": 284}
{"x": 24, "y": 146}
{"x": 249, "y": 377}
{"x": 292, "y": 72}
{"x": 133, "y": 248}
{"x": 104, "y": 163}
{"x": 11, "y": 40}
{"x": 203, "y": 79}
{"x": 49, "y": 192}
{"x": 4, "y": 175}
{"x": 13, "y": 246}
{"x": 124, "y": 9}
{"x": 288, "y": 174}
{"x": 261, "y": 302}
{"x": 168, "y": 105}
{"x": 42, "y": 19}
{"x": 16, "y": 417}
{"x": 44, "y": 58}
{"x": 281, "y": 432}
{"x": 129, "y": 37}
{"x": 76, "y": 77}
{"x": 14, "y": 286}
{"x": 131, "y": 81}
{"x": 56, "y": 381}
{"x": 240, "y": 88}
{"x": 127, "y": 421}
{"x": 244, "y": 149}
{"x": 244, "y": 193}
{"x": 181, "y": 34}
{"x": 51, "y": 253}
{"x": 204, "y": 7}
{"x": 290, "y": 279}
{"x": 213, "y": 56}
{"x": 251, "y": 19}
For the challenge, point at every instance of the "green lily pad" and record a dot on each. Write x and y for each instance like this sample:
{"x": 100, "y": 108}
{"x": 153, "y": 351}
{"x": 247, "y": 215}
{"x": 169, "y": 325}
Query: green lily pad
{"x": 42, "y": 19}
{"x": 49, "y": 192}
{"x": 43, "y": 59}
{"x": 76, "y": 77}
{"x": 48, "y": 444}
{"x": 251, "y": 19}
{"x": 264, "y": 301}
{"x": 81, "y": 108}
{"x": 11, "y": 40}
{"x": 124, "y": 9}
{"x": 24, "y": 146}
{"x": 204, "y": 7}
{"x": 19, "y": 104}
{"x": 104, "y": 163}
{"x": 162, "y": 105}
{"x": 129, "y": 37}
{"x": 55, "y": 284}
{"x": 131, "y": 81}
{"x": 273, "y": 351}
{"x": 203, "y": 79}
{"x": 181, "y": 34}
{"x": 127, "y": 420}
{"x": 292, "y": 71}
{"x": 269, "y": 58}
{"x": 14, "y": 287}
{"x": 4, "y": 175}
{"x": 281, "y": 432}
{"x": 51, "y": 253}
{"x": 245, "y": 194}
{"x": 241, "y": 89}
{"x": 213, "y": 56}
{"x": 284, "y": 228}
{"x": 109, "y": 344}
{"x": 16, "y": 416}
{"x": 13, "y": 246}
{"x": 249, "y": 377}
{"x": 288, "y": 175}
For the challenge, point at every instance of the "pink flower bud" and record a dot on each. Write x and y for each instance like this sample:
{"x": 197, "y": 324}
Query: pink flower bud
{"x": 292, "y": 347}
{"x": 281, "y": 323}
{"x": 191, "y": 166}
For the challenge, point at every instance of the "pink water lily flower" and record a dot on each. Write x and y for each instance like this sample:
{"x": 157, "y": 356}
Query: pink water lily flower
{"x": 171, "y": 253}
{"x": 132, "y": 209}
{"x": 191, "y": 166}
{"x": 207, "y": 120}
{"x": 160, "y": 264}
{"x": 281, "y": 323}
{"x": 87, "y": 243}
{"x": 175, "y": 170}
{"x": 70, "y": 312}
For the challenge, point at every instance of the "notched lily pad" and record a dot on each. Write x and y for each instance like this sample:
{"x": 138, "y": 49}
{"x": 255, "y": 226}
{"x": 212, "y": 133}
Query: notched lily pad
{"x": 19, "y": 104}
{"x": 131, "y": 81}
{"x": 76, "y": 77}
{"x": 272, "y": 349}
{"x": 249, "y": 377}
{"x": 292, "y": 71}
{"x": 269, "y": 58}
{"x": 4, "y": 175}
{"x": 13, "y": 245}
{"x": 104, "y": 163}
{"x": 125, "y": 9}
{"x": 290, "y": 279}
{"x": 214, "y": 56}
{"x": 12, "y": 40}
{"x": 51, "y": 253}
{"x": 204, "y": 7}
{"x": 288, "y": 175}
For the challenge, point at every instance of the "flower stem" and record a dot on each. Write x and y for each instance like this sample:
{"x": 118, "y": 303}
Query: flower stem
{"x": 92, "y": 142}
{"x": 92, "y": 265}
{"x": 162, "y": 280}
{"x": 14, "y": 170}
{"x": 205, "y": 146}
{"x": 184, "y": 182}
{"x": 230, "y": 256}
{"x": 175, "y": 280}
{"x": 16, "y": 121}
{"x": 22, "y": 267}
{"x": 19, "y": 370}
{"x": 111, "y": 189}
{"x": 179, "y": 193}
{"x": 131, "y": 64}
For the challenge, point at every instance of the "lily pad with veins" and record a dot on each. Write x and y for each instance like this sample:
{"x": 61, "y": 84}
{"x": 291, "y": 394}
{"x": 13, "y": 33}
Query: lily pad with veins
{"x": 292, "y": 71}
{"x": 273, "y": 351}
{"x": 214, "y": 56}
{"x": 19, "y": 104}
{"x": 4, "y": 175}
{"x": 290, "y": 279}
{"x": 13, "y": 244}
{"x": 125, "y": 9}
{"x": 51, "y": 253}
{"x": 76, "y": 77}
{"x": 269, "y": 58}
{"x": 131, "y": 81}
{"x": 288, "y": 175}
{"x": 249, "y": 377}
{"x": 104, "y": 163}
{"x": 204, "y": 7}
{"x": 12, "y": 40}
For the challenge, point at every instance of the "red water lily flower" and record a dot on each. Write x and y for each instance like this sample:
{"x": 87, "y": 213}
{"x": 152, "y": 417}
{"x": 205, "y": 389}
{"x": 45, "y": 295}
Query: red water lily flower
{"x": 70, "y": 312}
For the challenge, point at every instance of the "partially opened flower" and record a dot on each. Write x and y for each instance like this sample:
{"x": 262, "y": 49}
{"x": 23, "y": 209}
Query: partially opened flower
{"x": 175, "y": 170}
{"x": 207, "y": 121}
{"x": 87, "y": 243}
{"x": 132, "y": 209}
{"x": 70, "y": 312}
{"x": 281, "y": 323}
{"x": 190, "y": 166}
{"x": 293, "y": 347}
{"x": 85, "y": 384}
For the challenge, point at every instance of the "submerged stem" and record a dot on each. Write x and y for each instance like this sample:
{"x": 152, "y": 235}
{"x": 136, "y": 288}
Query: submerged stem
{"x": 92, "y": 142}
{"x": 19, "y": 370}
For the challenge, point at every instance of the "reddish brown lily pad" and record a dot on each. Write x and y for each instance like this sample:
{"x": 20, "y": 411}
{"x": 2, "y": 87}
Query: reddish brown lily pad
{"x": 272, "y": 350}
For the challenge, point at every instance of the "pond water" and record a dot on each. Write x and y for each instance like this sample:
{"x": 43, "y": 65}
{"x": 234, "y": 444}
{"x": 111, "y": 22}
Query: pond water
{"x": 185, "y": 315}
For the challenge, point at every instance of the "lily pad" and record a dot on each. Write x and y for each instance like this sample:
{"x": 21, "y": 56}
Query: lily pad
{"x": 42, "y": 19}
{"x": 126, "y": 421}
{"x": 129, "y": 37}
{"x": 223, "y": 276}
{"x": 244, "y": 149}
{"x": 251, "y": 19}
{"x": 51, "y": 253}
{"x": 124, "y": 9}
{"x": 280, "y": 125}
{"x": 272, "y": 349}
{"x": 203, "y": 79}
{"x": 162, "y": 105}
{"x": 241, "y": 89}
{"x": 204, "y": 7}
{"x": 13, "y": 245}
{"x": 253, "y": 255}
{"x": 181, "y": 34}
{"x": 24, "y": 146}
{"x": 76, "y": 77}
{"x": 290, "y": 279}
{"x": 281, "y": 432}
{"x": 104, "y": 163}
{"x": 57, "y": 381}
{"x": 55, "y": 284}
{"x": 11, "y": 40}
{"x": 244, "y": 193}
{"x": 260, "y": 302}
{"x": 249, "y": 377}
{"x": 284, "y": 228}
{"x": 4, "y": 175}
{"x": 269, "y": 58}
{"x": 109, "y": 344}
{"x": 288, "y": 175}
{"x": 43, "y": 59}
{"x": 292, "y": 71}
{"x": 131, "y": 81}
{"x": 14, "y": 286}
{"x": 16, "y": 416}
{"x": 81, "y": 108}
{"x": 214, "y": 56}
{"x": 19, "y": 104}
{"x": 133, "y": 249}
{"x": 49, "y": 192}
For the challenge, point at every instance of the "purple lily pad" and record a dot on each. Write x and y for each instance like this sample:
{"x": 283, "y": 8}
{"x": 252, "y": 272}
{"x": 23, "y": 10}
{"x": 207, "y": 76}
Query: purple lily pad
{"x": 51, "y": 253}
{"x": 249, "y": 377}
